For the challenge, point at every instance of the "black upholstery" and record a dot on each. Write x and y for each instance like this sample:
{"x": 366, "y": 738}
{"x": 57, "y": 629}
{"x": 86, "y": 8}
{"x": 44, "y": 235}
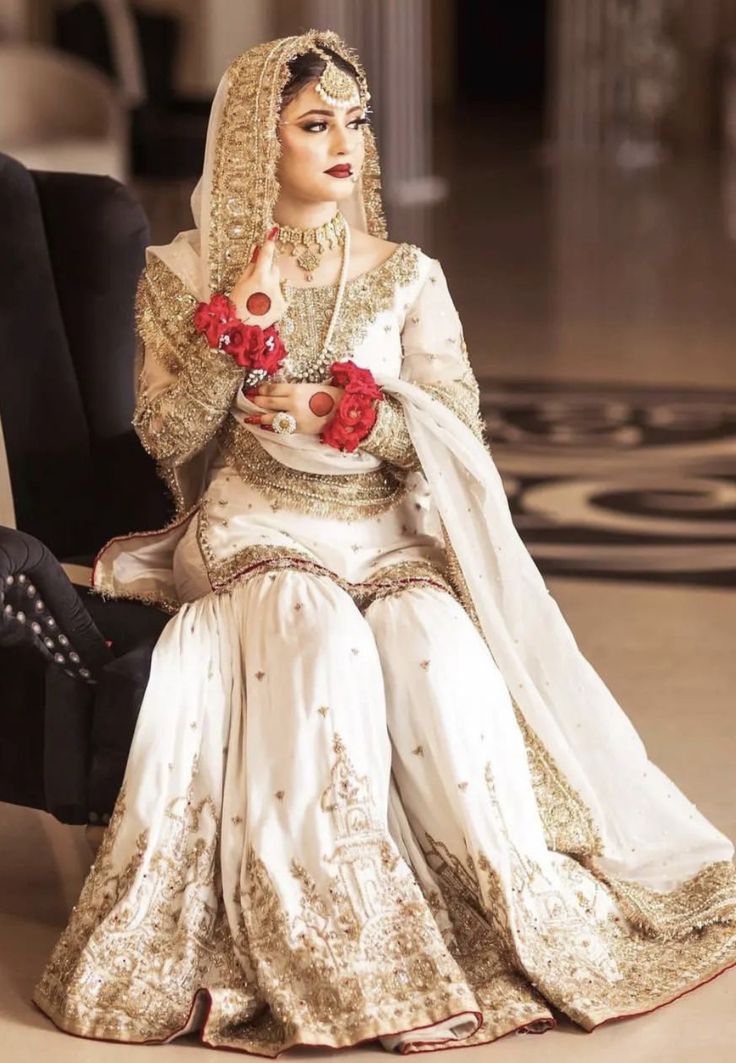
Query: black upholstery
{"x": 71, "y": 250}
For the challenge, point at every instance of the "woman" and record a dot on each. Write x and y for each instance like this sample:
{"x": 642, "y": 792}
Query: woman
{"x": 375, "y": 790}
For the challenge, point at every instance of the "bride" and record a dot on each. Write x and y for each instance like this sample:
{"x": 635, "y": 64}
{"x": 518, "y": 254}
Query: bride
{"x": 375, "y": 790}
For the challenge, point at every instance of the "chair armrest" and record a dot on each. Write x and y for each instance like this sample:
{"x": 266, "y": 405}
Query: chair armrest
{"x": 39, "y": 607}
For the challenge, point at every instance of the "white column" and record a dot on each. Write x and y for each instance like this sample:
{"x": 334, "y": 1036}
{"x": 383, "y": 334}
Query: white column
{"x": 393, "y": 41}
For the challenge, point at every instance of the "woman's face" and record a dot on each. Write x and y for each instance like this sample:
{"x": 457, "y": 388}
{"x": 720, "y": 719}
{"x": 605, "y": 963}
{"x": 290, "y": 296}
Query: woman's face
{"x": 316, "y": 137}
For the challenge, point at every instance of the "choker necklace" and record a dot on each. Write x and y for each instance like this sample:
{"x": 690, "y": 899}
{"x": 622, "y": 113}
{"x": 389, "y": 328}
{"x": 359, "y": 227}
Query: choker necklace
{"x": 308, "y": 245}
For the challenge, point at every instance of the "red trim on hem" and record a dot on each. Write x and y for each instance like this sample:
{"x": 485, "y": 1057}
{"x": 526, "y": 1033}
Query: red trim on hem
{"x": 664, "y": 1004}
{"x": 552, "y": 1024}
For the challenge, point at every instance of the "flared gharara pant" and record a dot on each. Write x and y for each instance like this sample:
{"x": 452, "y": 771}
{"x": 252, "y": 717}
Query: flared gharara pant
{"x": 292, "y": 762}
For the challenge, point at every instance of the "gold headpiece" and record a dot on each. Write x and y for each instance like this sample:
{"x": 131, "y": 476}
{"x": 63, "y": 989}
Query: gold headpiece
{"x": 240, "y": 186}
{"x": 336, "y": 86}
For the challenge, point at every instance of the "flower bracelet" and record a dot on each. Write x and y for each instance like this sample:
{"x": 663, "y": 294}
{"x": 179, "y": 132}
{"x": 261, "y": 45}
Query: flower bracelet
{"x": 357, "y": 411}
{"x": 260, "y": 351}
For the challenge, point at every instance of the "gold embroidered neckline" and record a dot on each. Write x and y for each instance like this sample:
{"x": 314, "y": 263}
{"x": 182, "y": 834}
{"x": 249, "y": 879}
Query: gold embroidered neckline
{"x": 351, "y": 280}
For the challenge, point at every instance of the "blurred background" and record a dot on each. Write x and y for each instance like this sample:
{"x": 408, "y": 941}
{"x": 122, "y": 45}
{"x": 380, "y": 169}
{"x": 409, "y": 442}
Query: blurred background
{"x": 571, "y": 162}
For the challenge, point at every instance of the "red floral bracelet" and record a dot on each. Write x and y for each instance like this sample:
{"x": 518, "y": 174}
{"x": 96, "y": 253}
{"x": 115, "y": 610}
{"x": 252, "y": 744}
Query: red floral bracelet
{"x": 259, "y": 350}
{"x": 356, "y": 412}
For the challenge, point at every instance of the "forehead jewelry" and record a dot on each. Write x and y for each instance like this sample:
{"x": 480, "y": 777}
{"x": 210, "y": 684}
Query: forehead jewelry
{"x": 336, "y": 86}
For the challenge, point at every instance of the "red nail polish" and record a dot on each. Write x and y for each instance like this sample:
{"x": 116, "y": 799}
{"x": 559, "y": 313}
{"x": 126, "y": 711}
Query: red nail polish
{"x": 273, "y": 233}
{"x": 256, "y": 252}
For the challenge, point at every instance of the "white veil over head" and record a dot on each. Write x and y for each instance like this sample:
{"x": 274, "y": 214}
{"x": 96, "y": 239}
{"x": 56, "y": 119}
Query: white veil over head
{"x": 233, "y": 201}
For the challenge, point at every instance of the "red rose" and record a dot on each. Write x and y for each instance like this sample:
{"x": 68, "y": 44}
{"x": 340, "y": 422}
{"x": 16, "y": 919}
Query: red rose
{"x": 273, "y": 352}
{"x": 244, "y": 344}
{"x": 354, "y": 379}
{"x": 212, "y": 318}
{"x": 352, "y": 409}
{"x": 353, "y": 420}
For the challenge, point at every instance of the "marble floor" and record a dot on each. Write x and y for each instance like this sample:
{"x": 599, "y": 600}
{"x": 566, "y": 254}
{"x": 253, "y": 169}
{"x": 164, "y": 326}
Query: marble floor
{"x": 565, "y": 275}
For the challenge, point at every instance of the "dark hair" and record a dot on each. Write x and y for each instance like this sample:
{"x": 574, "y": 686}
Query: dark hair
{"x": 309, "y": 66}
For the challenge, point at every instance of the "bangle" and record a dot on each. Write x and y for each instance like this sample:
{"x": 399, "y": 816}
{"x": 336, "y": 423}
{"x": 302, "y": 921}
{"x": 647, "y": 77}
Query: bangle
{"x": 259, "y": 350}
{"x": 356, "y": 411}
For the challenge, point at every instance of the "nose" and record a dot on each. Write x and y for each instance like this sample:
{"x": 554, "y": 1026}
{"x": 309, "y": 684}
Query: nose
{"x": 341, "y": 139}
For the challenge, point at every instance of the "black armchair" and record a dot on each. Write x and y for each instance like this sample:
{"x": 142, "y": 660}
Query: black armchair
{"x": 73, "y": 667}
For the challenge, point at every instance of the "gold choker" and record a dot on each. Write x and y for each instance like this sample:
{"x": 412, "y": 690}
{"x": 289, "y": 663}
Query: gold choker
{"x": 307, "y": 246}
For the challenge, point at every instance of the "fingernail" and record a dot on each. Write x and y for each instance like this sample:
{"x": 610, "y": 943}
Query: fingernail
{"x": 256, "y": 251}
{"x": 266, "y": 427}
{"x": 273, "y": 233}
{"x": 251, "y": 391}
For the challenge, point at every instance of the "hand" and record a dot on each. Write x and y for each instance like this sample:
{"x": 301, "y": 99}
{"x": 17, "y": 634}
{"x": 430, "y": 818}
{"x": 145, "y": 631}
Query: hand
{"x": 311, "y": 405}
{"x": 257, "y": 292}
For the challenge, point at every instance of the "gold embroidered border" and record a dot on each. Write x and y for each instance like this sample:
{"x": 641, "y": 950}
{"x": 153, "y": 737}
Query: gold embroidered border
{"x": 342, "y": 496}
{"x": 708, "y": 897}
{"x": 253, "y": 560}
{"x": 329, "y": 966}
{"x": 246, "y": 151}
{"x": 568, "y": 823}
{"x": 366, "y": 296}
{"x": 107, "y": 590}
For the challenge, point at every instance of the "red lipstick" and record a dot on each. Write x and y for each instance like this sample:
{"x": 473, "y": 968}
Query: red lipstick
{"x": 342, "y": 170}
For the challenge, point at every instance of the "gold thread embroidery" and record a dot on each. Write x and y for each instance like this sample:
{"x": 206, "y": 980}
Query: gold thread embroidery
{"x": 181, "y": 420}
{"x": 375, "y": 911}
{"x": 568, "y": 823}
{"x": 304, "y": 323}
{"x": 343, "y": 496}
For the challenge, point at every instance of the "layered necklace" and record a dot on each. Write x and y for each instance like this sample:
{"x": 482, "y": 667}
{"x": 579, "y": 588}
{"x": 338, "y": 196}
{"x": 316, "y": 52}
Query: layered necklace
{"x": 307, "y": 239}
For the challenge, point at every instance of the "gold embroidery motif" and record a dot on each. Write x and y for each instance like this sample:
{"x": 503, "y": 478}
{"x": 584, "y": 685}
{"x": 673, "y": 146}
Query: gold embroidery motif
{"x": 389, "y": 438}
{"x": 372, "y": 911}
{"x": 254, "y": 560}
{"x": 482, "y": 943}
{"x": 143, "y": 937}
{"x": 344, "y": 496}
{"x": 304, "y": 323}
{"x": 180, "y": 421}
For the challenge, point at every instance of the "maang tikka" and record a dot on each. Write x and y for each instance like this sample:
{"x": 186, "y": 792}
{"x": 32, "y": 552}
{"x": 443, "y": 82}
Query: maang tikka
{"x": 337, "y": 87}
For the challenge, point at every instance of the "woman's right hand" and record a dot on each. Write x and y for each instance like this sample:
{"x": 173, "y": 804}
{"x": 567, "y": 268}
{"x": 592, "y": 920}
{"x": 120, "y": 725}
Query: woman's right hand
{"x": 257, "y": 292}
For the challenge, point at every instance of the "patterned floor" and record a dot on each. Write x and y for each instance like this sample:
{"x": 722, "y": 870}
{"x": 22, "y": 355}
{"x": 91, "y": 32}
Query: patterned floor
{"x": 611, "y": 481}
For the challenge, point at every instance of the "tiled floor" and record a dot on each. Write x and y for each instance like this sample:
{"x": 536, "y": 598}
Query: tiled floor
{"x": 566, "y": 276}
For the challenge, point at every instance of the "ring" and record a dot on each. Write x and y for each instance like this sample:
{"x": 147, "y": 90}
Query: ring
{"x": 284, "y": 423}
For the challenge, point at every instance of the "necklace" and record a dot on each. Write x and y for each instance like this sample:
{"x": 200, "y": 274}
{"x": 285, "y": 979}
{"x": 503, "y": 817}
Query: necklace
{"x": 317, "y": 369}
{"x": 307, "y": 246}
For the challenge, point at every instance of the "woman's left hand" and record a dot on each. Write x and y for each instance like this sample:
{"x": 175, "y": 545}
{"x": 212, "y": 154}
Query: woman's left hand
{"x": 311, "y": 405}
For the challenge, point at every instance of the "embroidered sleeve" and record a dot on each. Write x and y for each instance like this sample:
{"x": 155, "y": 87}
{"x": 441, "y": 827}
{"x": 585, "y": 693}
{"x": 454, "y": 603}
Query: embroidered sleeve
{"x": 185, "y": 389}
{"x": 435, "y": 358}
{"x": 389, "y": 438}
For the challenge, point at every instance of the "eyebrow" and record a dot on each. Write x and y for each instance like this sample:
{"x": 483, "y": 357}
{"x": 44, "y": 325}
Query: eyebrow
{"x": 330, "y": 114}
